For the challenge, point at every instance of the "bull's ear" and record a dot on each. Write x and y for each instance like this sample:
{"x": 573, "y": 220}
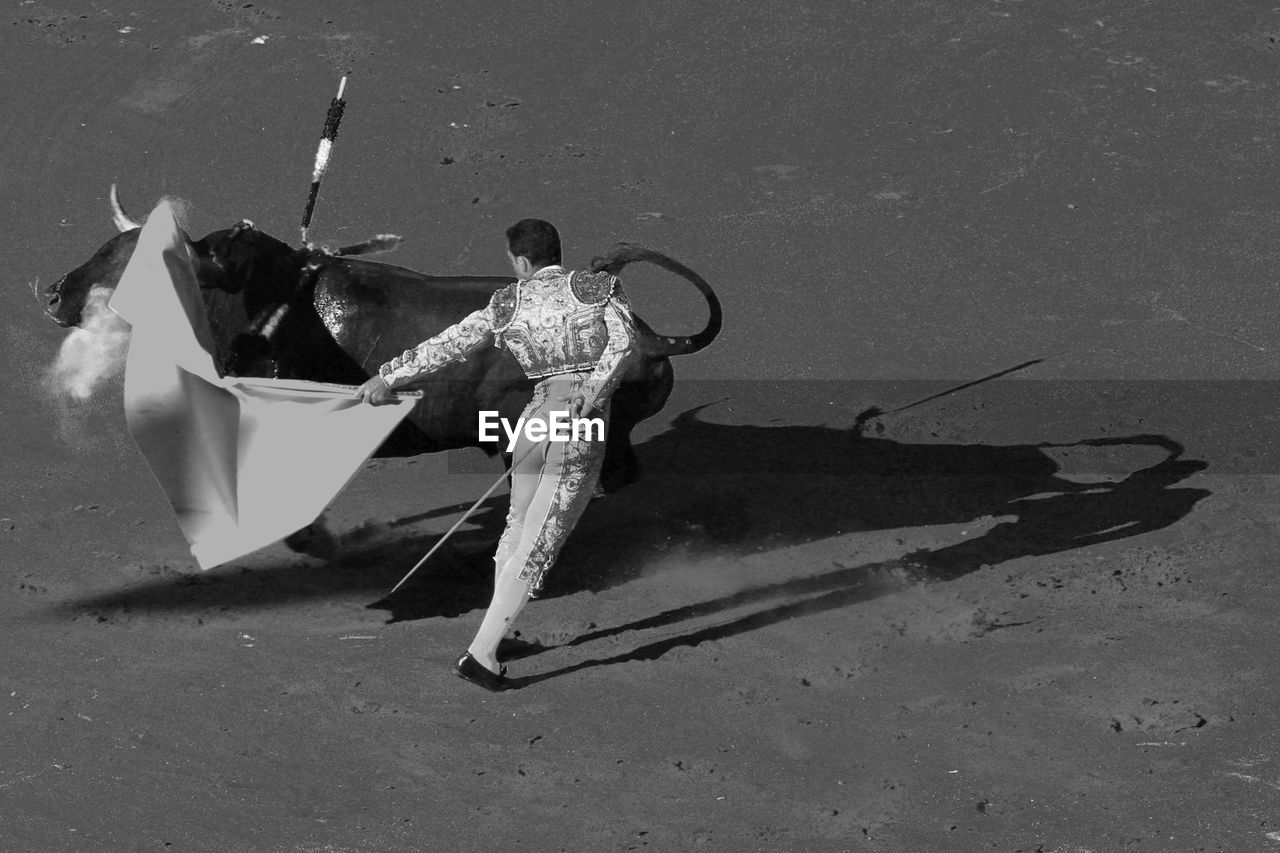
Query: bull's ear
{"x": 211, "y": 270}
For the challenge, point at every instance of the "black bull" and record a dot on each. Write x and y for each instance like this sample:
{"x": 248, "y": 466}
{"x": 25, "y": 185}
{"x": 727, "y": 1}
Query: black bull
{"x": 315, "y": 315}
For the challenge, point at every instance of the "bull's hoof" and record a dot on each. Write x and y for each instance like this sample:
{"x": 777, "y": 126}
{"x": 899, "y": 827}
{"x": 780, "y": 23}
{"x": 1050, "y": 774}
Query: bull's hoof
{"x": 314, "y": 540}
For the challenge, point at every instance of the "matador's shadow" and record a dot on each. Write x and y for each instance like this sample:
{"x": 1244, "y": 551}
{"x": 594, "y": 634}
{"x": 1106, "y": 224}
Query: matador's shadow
{"x": 720, "y": 488}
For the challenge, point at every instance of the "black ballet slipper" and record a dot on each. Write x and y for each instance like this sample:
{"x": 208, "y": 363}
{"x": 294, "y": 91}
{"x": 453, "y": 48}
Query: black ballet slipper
{"x": 472, "y": 670}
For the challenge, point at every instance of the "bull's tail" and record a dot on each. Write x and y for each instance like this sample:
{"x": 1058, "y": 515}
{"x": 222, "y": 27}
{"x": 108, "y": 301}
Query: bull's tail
{"x": 662, "y": 346}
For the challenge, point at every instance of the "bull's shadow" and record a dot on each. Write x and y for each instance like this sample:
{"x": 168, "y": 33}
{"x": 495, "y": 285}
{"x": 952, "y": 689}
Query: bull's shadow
{"x": 734, "y": 489}
{"x": 849, "y": 482}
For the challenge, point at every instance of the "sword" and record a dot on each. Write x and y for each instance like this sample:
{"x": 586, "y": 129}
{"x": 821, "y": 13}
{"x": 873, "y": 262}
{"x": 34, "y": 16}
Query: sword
{"x": 465, "y": 516}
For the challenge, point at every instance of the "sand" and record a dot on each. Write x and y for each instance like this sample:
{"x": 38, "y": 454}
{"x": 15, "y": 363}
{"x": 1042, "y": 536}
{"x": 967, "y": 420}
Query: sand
{"x": 1032, "y": 615}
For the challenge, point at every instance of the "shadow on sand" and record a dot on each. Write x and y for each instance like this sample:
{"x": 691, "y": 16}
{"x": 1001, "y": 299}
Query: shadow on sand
{"x": 815, "y": 482}
{"x": 736, "y": 490}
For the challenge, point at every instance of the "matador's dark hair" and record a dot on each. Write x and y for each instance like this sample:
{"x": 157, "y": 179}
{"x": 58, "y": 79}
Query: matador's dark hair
{"x": 535, "y": 239}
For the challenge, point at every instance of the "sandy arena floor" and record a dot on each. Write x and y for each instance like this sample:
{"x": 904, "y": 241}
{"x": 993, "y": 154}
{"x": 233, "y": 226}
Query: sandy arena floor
{"x": 941, "y": 635}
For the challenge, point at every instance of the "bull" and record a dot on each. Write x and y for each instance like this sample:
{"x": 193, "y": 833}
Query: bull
{"x": 332, "y": 316}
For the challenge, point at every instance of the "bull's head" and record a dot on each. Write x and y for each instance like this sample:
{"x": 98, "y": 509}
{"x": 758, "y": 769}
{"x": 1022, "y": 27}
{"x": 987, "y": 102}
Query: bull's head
{"x": 248, "y": 281}
{"x": 65, "y": 299}
{"x": 227, "y": 260}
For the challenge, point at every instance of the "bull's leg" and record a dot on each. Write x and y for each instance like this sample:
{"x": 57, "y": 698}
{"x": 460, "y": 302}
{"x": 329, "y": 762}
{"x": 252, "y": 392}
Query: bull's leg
{"x": 506, "y": 464}
{"x": 621, "y": 467}
{"x": 249, "y": 355}
{"x": 634, "y": 401}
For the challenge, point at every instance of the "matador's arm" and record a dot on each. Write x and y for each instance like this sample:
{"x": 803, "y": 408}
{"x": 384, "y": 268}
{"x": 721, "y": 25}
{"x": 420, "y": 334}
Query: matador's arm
{"x": 604, "y": 379}
{"x": 453, "y": 344}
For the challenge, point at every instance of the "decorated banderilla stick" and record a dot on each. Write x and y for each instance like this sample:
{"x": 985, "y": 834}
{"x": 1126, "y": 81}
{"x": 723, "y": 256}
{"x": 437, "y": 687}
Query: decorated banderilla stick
{"x": 867, "y": 415}
{"x": 330, "y": 133}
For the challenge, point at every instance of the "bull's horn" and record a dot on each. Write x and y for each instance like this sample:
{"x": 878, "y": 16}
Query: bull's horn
{"x": 118, "y": 216}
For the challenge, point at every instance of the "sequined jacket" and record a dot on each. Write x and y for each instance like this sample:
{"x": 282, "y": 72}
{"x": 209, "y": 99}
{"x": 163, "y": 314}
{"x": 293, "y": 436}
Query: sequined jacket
{"x": 553, "y": 322}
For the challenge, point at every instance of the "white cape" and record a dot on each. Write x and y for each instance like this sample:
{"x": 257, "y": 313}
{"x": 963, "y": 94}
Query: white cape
{"x": 244, "y": 462}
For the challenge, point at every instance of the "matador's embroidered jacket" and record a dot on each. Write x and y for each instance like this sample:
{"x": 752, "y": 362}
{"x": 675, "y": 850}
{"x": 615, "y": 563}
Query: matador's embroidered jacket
{"x": 553, "y": 322}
